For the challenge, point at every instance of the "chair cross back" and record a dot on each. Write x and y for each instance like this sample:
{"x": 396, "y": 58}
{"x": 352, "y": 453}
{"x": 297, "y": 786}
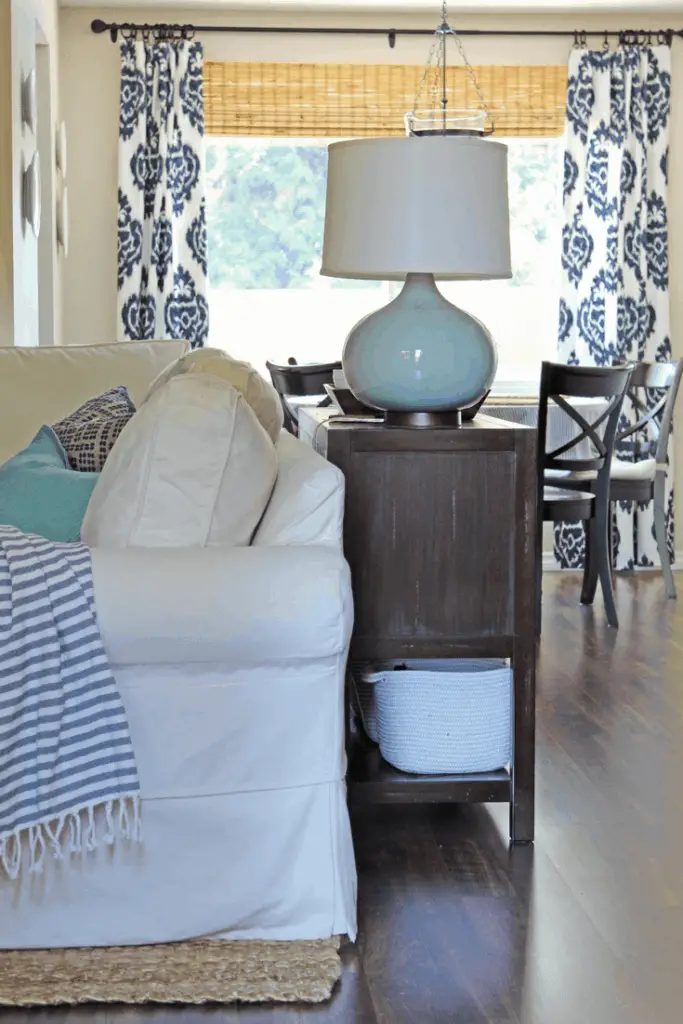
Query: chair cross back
{"x": 656, "y": 376}
{"x": 589, "y": 432}
{"x": 559, "y": 382}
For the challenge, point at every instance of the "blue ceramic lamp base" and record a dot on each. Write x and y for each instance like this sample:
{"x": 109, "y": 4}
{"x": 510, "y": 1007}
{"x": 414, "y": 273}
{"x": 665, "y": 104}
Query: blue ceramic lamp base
{"x": 420, "y": 359}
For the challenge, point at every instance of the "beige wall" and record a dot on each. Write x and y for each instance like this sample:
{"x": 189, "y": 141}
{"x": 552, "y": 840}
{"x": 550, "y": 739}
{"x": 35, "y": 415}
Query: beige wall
{"x": 89, "y": 95}
{"x": 24, "y": 144}
{"x": 25, "y": 25}
{"x": 6, "y": 276}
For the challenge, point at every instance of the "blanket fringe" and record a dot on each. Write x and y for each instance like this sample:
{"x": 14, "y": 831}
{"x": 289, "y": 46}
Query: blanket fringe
{"x": 122, "y": 819}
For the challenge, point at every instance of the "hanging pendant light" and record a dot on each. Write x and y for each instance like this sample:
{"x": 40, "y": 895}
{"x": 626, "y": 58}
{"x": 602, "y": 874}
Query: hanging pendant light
{"x": 431, "y": 114}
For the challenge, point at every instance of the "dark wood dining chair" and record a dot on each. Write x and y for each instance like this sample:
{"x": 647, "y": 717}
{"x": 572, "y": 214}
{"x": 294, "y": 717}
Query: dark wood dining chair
{"x": 573, "y": 486}
{"x": 295, "y": 381}
{"x": 645, "y": 479}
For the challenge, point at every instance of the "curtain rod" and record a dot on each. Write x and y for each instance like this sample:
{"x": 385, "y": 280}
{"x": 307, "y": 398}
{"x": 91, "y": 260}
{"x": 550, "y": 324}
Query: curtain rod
{"x": 631, "y": 37}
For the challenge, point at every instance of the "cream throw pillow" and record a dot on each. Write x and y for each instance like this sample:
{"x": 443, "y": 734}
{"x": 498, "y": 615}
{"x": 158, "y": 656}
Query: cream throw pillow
{"x": 193, "y": 467}
{"x": 259, "y": 393}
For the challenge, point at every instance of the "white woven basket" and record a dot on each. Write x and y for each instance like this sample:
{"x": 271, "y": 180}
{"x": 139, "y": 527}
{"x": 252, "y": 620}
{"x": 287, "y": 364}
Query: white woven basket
{"x": 439, "y": 716}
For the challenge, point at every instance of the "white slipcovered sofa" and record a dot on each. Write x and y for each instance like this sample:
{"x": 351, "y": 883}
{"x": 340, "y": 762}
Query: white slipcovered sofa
{"x": 230, "y": 662}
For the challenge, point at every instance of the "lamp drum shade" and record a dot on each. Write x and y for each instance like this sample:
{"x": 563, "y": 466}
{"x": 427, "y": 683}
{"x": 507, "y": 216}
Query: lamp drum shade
{"x": 417, "y": 205}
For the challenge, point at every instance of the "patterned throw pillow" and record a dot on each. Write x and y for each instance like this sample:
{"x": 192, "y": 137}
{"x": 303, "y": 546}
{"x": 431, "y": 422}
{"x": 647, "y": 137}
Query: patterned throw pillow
{"x": 89, "y": 433}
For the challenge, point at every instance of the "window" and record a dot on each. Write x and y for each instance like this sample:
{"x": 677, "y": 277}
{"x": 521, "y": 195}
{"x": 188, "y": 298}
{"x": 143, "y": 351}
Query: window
{"x": 522, "y": 313}
{"x": 265, "y": 209}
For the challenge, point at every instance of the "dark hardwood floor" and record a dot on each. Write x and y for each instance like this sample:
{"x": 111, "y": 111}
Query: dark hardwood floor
{"x": 586, "y": 927}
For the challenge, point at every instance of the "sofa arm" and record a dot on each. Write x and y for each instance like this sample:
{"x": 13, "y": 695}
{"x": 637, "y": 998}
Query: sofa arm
{"x": 307, "y": 504}
{"x": 239, "y": 606}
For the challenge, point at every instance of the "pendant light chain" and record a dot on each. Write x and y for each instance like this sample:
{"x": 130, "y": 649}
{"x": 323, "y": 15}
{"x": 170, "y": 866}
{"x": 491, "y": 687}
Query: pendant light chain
{"x": 473, "y": 78}
{"x": 438, "y": 51}
{"x": 436, "y": 42}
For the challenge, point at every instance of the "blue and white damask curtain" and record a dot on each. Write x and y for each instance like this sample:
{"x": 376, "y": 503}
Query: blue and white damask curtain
{"x": 615, "y": 281}
{"x": 161, "y": 214}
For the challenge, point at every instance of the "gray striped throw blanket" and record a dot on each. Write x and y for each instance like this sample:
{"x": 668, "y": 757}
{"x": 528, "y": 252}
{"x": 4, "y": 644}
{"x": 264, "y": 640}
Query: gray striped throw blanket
{"x": 65, "y": 749}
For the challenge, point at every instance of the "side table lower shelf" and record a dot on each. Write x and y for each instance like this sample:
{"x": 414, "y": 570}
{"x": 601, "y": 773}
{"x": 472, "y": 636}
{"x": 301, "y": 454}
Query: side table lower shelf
{"x": 373, "y": 780}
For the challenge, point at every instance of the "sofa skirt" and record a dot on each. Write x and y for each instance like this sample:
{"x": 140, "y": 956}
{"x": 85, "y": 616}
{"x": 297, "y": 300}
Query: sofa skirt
{"x": 245, "y": 828}
{"x": 272, "y": 865}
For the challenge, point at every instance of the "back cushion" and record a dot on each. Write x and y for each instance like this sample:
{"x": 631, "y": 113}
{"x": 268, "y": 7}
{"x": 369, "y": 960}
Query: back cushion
{"x": 259, "y": 393}
{"x": 42, "y": 385}
{"x": 307, "y": 506}
{"x": 193, "y": 467}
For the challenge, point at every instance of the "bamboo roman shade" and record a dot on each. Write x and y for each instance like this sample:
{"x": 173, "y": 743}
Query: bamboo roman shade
{"x": 357, "y": 100}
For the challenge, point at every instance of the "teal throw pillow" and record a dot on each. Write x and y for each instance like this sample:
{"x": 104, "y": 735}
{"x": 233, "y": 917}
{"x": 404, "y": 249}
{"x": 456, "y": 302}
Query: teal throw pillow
{"x": 40, "y": 494}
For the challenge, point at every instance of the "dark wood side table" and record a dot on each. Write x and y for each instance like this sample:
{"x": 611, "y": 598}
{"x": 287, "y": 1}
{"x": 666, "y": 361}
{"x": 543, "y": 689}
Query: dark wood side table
{"x": 439, "y": 532}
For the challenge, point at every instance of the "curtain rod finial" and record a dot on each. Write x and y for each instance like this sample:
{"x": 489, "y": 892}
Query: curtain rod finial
{"x": 98, "y": 26}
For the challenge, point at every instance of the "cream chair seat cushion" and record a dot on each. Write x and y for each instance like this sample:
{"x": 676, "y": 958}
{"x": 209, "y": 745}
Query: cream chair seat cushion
{"x": 619, "y": 470}
{"x": 643, "y": 470}
{"x": 259, "y": 393}
{"x": 557, "y": 476}
{"x": 193, "y": 467}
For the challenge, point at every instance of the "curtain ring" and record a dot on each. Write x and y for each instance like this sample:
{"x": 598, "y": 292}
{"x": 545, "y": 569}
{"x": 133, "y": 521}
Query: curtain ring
{"x": 605, "y": 42}
{"x": 584, "y": 40}
{"x": 188, "y": 33}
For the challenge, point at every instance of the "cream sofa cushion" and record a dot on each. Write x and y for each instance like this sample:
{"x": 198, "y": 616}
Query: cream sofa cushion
{"x": 193, "y": 467}
{"x": 43, "y": 385}
{"x": 307, "y": 505}
{"x": 259, "y": 393}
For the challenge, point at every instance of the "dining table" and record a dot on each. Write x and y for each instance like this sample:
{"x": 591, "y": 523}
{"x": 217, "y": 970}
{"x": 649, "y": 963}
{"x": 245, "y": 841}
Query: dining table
{"x": 521, "y": 409}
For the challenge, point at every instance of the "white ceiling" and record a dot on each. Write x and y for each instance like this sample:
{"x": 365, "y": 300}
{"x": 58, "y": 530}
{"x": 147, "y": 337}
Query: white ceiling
{"x": 414, "y": 6}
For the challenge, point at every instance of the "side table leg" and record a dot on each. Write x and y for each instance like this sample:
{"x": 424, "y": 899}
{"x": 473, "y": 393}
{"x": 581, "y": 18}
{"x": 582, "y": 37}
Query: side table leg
{"x": 524, "y": 741}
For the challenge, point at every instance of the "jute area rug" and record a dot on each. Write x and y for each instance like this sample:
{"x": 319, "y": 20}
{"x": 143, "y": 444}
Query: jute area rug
{"x": 180, "y": 972}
